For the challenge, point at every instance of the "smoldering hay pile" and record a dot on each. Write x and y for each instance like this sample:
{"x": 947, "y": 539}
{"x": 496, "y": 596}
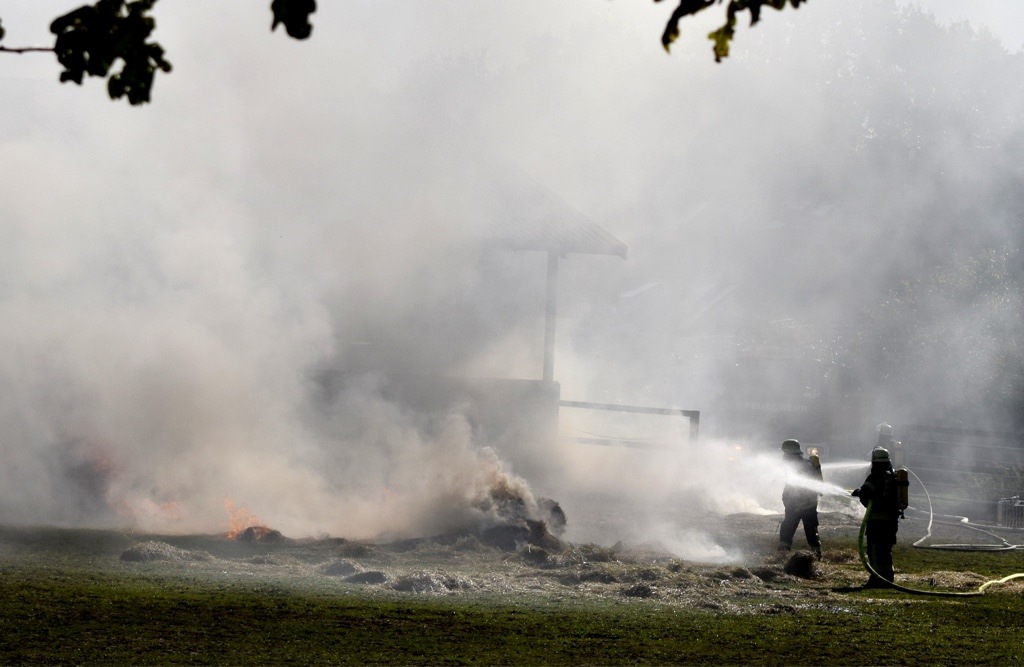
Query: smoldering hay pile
{"x": 390, "y": 478}
{"x": 427, "y": 478}
{"x": 364, "y": 468}
{"x": 498, "y": 508}
{"x": 515, "y": 518}
{"x": 173, "y": 453}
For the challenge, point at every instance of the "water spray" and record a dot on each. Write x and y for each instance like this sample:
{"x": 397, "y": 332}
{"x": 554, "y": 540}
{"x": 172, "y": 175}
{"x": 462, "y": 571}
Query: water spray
{"x": 844, "y": 465}
{"x": 822, "y": 487}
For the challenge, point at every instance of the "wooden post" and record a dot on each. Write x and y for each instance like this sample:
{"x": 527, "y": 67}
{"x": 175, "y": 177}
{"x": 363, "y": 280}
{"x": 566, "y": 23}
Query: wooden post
{"x": 549, "y": 317}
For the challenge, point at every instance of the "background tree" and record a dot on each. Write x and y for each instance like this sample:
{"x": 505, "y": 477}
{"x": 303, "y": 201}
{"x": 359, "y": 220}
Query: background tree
{"x": 724, "y": 34}
{"x": 897, "y": 174}
{"x": 913, "y": 343}
{"x": 90, "y": 40}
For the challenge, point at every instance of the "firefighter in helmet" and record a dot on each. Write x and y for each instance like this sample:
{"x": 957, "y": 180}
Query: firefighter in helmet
{"x": 800, "y": 498}
{"x": 881, "y": 491}
{"x": 884, "y": 435}
{"x": 887, "y": 440}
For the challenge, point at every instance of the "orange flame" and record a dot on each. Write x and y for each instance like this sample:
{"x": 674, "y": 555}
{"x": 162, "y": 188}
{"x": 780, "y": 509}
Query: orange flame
{"x": 241, "y": 519}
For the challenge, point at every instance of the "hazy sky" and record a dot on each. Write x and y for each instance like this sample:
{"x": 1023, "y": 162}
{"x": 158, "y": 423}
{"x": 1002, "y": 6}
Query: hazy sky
{"x": 170, "y": 274}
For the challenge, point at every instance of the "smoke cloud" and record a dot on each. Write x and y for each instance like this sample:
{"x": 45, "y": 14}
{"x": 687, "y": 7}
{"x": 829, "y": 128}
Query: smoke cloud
{"x": 212, "y": 297}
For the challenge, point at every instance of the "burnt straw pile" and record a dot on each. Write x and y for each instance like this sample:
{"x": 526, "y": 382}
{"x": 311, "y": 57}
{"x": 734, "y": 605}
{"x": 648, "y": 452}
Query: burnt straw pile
{"x": 518, "y": 522}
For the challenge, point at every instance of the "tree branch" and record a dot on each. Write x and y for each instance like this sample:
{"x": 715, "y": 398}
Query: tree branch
{"x": 26, "y": 49}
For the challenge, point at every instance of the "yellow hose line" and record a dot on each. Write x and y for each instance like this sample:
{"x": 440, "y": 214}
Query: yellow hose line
{"x": 981, "y": 589}
{"x": 871, "y": 570}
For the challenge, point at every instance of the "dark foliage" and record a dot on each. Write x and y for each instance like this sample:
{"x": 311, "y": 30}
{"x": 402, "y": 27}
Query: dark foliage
{"x": 294, "y": 15}
{"x": 724, "y": 34}
{"x": 92, "y": 38}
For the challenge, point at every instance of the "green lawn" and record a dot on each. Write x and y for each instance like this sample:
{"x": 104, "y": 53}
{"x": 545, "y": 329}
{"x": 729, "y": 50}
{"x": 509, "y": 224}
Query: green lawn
{"x": 92, "y": 609}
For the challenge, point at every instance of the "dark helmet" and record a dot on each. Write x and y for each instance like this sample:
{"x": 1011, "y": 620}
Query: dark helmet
{"x": 879, "y": 454}
{"x": 791, "y": 447}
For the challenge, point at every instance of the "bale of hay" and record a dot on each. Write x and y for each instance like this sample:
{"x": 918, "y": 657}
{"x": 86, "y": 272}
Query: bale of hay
{"x": 802, "y": 564}
{"x": 507, "y": 537}
{"x": 513, "y": 536}
{"x": 260, "y": 534}
{"x": 430, "y": 582}
{"x": 368, "y": 577}
{"x": 540, "y": 536}
{"x": 339, "y": 568}
{"x": 553, "y": 515}
{"x": 535, "y": 555}
{"x": 161, "y": 551}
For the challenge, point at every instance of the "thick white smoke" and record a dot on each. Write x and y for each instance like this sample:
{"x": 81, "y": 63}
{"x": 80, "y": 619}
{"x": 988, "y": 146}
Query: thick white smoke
{"x": 175, "y": 280}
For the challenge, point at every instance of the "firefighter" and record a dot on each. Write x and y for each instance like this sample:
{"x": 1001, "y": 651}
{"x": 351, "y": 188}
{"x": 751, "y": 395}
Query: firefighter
{"x": 799, "y": 498}
{"x": 885, "y": 438}
{"x": 889, "y": 442}
{"x": 881, "y": 490}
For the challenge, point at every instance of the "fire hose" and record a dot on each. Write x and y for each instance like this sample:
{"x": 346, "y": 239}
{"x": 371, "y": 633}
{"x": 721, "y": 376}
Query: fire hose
{"x": 962, "y": 522}
{"x": 867, "y": 565}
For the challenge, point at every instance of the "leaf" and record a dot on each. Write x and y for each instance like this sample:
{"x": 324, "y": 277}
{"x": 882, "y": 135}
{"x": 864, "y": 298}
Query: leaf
{"x": 92, "y": 38}
{"x": 721, "y": 38}
{"x": 685, "y": 8}
{"x": 725, "y": 33}
{"x": 294, "y": 15}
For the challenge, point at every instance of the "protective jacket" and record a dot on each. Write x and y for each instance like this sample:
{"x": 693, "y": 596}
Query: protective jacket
{"x": 800, "y": 502}
{"x": 881, "y": 491}
{"x": 880, "y": 488}
{"x": 796, "y": 496}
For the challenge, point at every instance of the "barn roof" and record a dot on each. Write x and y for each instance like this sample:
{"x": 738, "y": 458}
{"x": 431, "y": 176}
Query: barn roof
{"x": 530, "y": 217}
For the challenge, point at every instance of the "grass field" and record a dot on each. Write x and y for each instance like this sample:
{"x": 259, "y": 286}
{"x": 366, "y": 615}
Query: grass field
{"x": 67, "y": 597}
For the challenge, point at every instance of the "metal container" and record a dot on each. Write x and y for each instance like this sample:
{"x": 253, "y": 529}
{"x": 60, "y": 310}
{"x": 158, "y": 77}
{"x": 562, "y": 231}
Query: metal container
{"x": 1010, "y": 512}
